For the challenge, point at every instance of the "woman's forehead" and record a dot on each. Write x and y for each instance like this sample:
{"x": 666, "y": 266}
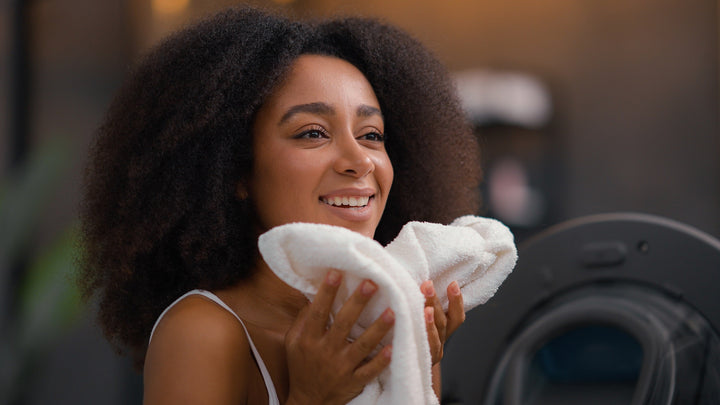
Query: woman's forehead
{"x": 319, "y": 78}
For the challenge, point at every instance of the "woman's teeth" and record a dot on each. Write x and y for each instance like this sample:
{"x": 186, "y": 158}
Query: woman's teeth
{"x": 346, "y": 201}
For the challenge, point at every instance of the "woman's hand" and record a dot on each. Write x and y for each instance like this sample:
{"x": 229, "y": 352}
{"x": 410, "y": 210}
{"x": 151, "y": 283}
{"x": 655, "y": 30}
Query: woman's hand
{"x": 323, "y": 366}
{"x": 441, "y": 325}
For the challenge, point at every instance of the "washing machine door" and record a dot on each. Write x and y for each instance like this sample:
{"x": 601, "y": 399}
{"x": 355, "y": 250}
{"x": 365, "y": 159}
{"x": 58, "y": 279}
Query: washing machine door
{"x": 608, "y": 309}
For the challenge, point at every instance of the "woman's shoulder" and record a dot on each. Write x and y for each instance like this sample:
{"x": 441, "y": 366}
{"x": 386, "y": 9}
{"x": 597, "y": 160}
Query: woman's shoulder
{"x": 198, "y": 317}
{"x": 197, "y": 344}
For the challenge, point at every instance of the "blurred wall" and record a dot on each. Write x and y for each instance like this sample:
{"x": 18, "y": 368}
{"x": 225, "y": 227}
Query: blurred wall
{"x": 78, "y": 51}
{"x": 634, "y": 86}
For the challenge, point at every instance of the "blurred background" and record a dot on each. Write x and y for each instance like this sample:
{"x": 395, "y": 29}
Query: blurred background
{"x": 581, "y": 107}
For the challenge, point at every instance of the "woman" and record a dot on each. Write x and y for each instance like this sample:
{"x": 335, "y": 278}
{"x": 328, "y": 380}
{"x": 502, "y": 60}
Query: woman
{"x": 241, "y": 123}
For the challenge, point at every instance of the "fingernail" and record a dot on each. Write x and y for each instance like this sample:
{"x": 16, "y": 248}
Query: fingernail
{"x": 429, "y": 314}
{"x": 333, "y": 277}
{"x": 388, "y": 316}
{"x": 454, "y": 288}
{"x": 429, "y": 289}
{"x": 368, "y": 287}
{"x": 387, "y": 352}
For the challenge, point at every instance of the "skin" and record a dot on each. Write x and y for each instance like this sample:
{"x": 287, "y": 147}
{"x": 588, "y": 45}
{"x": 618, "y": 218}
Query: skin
{"x": 319, "y": 136}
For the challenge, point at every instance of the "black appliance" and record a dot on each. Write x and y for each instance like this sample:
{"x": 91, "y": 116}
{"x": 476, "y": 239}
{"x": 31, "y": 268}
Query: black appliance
{"x": 607, "y": 309}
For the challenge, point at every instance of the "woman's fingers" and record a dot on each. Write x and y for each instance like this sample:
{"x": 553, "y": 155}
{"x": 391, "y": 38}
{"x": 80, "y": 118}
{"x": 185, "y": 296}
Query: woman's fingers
{"x": 319, "y": 310}
{"x": 370, "y": 370}
{"x": 436, "y": 344}
{"x": 366, "y": 343}
{"x": 456, "y": 311}
{"x": 432, "y": 301}
{"x": 351, "y": 310}
{"x": 434, "y": 321}
{"x": 440, "y": 325}
{"x": 324, "y": 367}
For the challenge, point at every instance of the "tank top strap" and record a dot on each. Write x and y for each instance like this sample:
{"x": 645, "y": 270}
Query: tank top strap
{"x": 272, "y": 395}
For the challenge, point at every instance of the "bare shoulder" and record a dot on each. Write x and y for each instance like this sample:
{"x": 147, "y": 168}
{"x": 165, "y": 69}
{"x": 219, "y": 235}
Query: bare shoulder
{"x": 197, "y": 319}
{"x": 198, "y": 354}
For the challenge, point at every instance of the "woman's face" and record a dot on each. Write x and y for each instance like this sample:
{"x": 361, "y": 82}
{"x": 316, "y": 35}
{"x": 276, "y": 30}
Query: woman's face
{"x": 319, "y": 149}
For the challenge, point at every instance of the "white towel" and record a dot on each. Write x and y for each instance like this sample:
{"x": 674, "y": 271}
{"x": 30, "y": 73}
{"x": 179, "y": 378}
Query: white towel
{"x": 477, "y": 252}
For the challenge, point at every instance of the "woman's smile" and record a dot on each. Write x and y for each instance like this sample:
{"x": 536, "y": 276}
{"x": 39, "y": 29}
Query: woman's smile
{"x": 346, "y": 202}
{"x": 348, "y": 198}
{"x": 350, "y": 205}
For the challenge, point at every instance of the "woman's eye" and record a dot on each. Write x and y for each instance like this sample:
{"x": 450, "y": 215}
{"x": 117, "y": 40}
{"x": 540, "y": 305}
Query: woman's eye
{"x": 312, "y": 134}
{"x": 374, "y": 136}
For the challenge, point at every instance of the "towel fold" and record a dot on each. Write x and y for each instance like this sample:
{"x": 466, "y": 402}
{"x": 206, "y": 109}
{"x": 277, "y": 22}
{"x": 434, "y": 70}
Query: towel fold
{"x": 476, "y": 252}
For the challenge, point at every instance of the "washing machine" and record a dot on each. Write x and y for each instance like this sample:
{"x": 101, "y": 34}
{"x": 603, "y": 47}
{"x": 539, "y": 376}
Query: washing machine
{"x": 619, "y": 308}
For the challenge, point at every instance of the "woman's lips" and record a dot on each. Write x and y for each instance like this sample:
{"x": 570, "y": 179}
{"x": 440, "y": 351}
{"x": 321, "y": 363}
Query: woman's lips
{"x": 349, "y": 201}
{"x": 353, "y": 214}
{"x": 350, "y": 204}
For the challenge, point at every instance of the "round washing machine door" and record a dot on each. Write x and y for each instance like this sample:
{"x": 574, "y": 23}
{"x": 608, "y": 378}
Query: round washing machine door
{"x": 608, "y": 309}
{"x": 610, "y": 343}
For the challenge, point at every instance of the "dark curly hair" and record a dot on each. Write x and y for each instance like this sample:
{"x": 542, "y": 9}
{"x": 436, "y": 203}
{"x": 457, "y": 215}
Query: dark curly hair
{"x": 160, "y": 214}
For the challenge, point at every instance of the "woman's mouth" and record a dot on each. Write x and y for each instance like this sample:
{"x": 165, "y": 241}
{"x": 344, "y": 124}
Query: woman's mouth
{"x": 347, "y": 201}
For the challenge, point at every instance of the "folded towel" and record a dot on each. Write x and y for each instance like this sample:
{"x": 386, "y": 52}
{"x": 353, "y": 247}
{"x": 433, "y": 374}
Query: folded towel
{"x": 477, "y": 252}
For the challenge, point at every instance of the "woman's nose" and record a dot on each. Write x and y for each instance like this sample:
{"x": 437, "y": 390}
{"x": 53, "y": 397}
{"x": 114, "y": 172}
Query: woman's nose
{"x": 353, "y": 159}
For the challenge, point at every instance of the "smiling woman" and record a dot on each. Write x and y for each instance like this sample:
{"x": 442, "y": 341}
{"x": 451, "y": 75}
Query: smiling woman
{"x": 241, "y": 123}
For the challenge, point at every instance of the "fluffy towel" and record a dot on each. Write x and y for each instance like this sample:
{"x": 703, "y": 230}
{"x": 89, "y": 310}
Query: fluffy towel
{"x": 477, "y": 252}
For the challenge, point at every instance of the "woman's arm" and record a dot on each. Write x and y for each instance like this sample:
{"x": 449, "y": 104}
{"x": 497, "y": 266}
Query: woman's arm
{"x": 199, "y": 354}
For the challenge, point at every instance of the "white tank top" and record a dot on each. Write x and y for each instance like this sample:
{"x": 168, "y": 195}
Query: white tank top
{"x": 272, "y": 395}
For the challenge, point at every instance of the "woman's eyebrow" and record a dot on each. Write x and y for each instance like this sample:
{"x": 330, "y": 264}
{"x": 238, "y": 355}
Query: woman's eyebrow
{"x": 368, "y": 111}
{"x": 326, "y": 109}
{"x": 313, "y": 108}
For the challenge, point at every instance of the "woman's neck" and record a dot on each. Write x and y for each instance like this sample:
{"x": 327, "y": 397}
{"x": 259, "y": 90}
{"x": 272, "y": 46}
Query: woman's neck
{"x": 264, "y": 300}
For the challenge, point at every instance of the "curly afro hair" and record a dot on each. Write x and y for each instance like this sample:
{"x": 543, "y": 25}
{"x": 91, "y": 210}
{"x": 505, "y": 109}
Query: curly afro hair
{"x": 160, "y": 214}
